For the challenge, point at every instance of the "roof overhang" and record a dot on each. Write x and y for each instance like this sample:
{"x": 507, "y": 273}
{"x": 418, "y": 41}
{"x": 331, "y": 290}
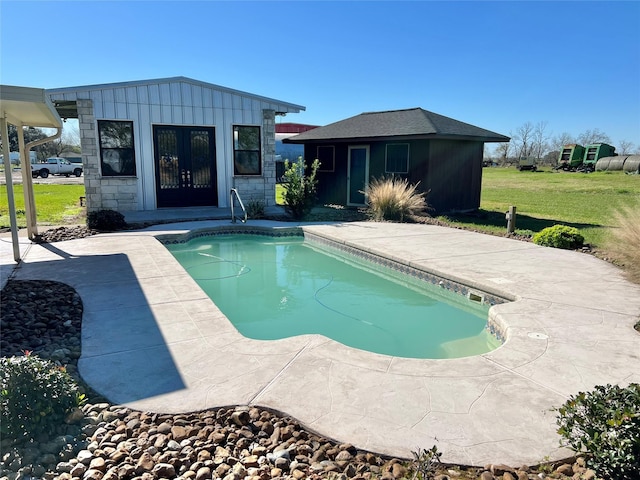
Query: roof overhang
{"x": 25, "y": 106}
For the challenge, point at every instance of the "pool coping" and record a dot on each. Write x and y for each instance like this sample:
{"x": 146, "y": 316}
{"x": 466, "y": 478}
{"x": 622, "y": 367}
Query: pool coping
{"x": 153, "y": 341}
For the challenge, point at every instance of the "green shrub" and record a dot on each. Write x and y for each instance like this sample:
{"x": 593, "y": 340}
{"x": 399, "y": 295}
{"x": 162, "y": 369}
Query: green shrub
{"x": 605, "y": 424}
{"x": 393, "y": 199}
{"x": 300, "y": 187}
{"x": 35, "y": 396}
{"x": 106, "y": 220}
{"x": 559, "y": 236}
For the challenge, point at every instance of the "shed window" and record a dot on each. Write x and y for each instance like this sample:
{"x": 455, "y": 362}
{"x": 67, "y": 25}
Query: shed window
{"x": 397, "y": 158}
{"x": 117, "y": 153}
{"x": 246, "y": 150}
{"x": 327, "y": 158}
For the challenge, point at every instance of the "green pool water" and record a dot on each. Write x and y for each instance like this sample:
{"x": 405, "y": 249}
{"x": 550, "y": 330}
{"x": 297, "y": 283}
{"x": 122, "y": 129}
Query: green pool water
{"x": 278, "y": 287}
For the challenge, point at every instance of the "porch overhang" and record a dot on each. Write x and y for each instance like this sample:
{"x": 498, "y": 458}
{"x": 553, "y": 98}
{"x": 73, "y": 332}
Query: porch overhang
{"x": 24, "y": 107}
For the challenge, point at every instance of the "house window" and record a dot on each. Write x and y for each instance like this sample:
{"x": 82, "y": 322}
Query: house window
{"x": 117, "y": 155}
{"x": 397, "y": 158}
{"x": 246, "y": 150}
{"x": 327, "y": 157}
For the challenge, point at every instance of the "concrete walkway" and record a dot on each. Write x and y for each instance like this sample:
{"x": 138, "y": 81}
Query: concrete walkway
{"x": 152, "y": 340}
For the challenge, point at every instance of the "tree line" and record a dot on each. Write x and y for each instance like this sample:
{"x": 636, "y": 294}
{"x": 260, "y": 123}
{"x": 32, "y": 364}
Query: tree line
{"x": 532, "y": 140}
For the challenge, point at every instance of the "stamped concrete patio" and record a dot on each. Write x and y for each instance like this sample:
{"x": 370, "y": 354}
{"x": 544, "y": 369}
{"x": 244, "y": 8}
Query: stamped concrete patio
{"x": 151, "y": 339}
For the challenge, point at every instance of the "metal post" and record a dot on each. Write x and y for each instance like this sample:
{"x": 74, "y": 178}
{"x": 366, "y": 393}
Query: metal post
{"x": 511, "y": 219}
{"x": 10, "y": 198}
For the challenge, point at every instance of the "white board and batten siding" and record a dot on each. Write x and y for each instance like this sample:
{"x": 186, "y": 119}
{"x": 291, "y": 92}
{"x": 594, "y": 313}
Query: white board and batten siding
{"x": 176, "y": 101}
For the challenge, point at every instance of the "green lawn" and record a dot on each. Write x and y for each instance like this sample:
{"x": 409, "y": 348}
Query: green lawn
{"x": 55, "y": 204}
{"x": 544, "y": 198}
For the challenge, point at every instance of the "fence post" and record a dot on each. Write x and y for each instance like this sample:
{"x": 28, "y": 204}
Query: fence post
{"x": 511, "y": 219}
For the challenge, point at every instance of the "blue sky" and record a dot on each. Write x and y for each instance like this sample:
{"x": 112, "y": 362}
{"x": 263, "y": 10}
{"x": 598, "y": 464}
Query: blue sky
{"x": 497, "y": 65}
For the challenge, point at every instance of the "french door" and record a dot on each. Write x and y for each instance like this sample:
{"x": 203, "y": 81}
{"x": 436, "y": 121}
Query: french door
{"x": 185, "y": 164}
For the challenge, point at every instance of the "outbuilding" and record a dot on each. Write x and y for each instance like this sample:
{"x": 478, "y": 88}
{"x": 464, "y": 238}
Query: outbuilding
{"x": 443, "y": 155}
{"x": 173, "y": 142}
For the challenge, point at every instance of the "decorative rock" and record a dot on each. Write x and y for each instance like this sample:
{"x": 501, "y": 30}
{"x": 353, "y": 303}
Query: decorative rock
{"x": 508, "y": 476}
{"x": 98, "y": 464}
{"x": 164, "y": 470}
{"x": 565, "y": 469}
{"x": 241, "y": 418}
{"x": 397, "y": 470}
{"x": 93, "y": 475}
{"x": 276, "y": 472}
{"x": 350, "y": 471}
{"x": 498, "y": 470}
{"x": 85, "y": 456}
{"x": 203, "y": 473}
{"x": 298, "y": 474}
{"x": 78, "y": 470}
{"x": 145, "y": 462}
{"x": 486, "y": 475}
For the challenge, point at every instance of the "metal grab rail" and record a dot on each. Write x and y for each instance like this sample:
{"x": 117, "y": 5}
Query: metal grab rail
{"x": 235, "y": 193}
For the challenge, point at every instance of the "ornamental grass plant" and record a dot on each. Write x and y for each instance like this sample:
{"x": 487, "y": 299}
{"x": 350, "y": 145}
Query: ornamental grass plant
{"x": 393, "y": 199}
{"x": 623, "y": 242}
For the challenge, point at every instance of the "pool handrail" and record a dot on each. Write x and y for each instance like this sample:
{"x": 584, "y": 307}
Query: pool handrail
{"x": 234, "y": 192}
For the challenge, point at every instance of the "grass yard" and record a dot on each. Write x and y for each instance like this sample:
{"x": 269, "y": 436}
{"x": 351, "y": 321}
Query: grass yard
{"x": 55, "y": 204}
{"x": 545, "y": 198}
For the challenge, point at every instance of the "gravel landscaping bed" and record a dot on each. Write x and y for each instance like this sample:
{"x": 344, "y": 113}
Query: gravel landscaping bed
{"x": 113, "y": 442}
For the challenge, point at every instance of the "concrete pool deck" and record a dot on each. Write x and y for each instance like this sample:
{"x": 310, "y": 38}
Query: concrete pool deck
{"x": 153, "y": 341}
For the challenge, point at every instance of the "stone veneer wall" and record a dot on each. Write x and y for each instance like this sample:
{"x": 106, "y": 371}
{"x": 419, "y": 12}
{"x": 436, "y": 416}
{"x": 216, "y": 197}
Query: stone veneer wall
{"x": 113, "y": 193}
{"x": 262, "y": 188}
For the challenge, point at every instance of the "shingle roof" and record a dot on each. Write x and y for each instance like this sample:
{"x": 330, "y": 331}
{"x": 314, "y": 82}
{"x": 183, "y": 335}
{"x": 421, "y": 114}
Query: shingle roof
{"x": 414, "y": 122}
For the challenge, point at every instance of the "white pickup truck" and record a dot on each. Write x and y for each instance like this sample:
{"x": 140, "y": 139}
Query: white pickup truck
{"x": 55, "y": 166}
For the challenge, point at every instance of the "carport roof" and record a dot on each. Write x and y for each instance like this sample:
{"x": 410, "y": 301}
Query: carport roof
{"x": 28, "y": 106}
{"x": 410, "y": 123}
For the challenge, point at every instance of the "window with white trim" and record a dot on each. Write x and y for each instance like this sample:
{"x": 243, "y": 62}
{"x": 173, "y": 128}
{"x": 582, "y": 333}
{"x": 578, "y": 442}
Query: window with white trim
{"x": 397, "y": 158}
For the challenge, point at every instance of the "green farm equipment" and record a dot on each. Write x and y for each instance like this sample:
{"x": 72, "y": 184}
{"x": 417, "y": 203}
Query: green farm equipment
{"x": 595, "y": 152}
{"x": 570, "y": 157}
{"x": 576, "y": 158}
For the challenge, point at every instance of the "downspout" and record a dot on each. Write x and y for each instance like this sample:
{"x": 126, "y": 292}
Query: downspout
{"x": 27, "y": 182}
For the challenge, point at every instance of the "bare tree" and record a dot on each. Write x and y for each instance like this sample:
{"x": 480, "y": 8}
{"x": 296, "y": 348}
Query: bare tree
{"x": 539, "y": 143}
{"x": 594, "y": 135}
{"x": 559, "y": 141}
{"x": 625, "y": 147}
{"x": 523, "y": 140}
{"x": 502, "y": 152}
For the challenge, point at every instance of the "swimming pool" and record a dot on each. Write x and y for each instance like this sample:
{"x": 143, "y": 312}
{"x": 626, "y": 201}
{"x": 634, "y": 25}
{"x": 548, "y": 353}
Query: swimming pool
{"x": 273, "y": 287}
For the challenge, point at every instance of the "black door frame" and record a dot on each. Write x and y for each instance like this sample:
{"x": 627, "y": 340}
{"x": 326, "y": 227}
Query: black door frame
{"x": 185, "y": 167}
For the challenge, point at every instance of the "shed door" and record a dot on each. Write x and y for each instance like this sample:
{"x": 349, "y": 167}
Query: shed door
{"x": 358, "y": 174}
{"x": 185, "y": 161}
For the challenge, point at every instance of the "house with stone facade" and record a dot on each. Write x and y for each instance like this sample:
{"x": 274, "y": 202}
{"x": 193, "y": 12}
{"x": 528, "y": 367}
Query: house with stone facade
{"x": 173, "y": 142}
